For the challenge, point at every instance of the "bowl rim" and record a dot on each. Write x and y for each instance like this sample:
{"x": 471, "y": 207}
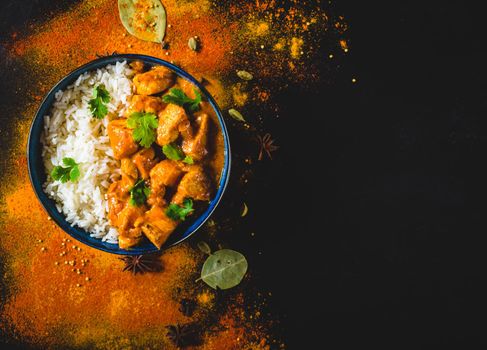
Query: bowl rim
{"x": 60, "y": 218}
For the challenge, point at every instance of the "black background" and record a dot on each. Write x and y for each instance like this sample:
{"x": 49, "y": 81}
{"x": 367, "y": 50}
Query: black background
{"x": 372, "y": 218}
{"x": 384, "y": 234}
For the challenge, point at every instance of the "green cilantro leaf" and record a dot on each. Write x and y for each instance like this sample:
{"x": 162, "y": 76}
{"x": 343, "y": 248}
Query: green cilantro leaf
{"x": 144, "y": 125}
{"x": 176, "y": 212}
{"x": 139, "y": 193}
{"x": 68, "y": 173}
{"x": 101, "y": 93}
{"x": 178, "y": 97}
{"x": 98, "y": 103}
{"x": 174, "y": 152}
{"x": 188, "y": 160}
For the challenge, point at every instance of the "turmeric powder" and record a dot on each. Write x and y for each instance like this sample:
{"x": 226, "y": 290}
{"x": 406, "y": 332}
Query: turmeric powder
{"x": 83, "y": 291}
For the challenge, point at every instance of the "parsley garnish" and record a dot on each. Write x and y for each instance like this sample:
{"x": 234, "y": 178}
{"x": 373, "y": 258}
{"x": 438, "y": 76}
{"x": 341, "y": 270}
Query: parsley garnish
{"x": 139, "y": 193}
{"x": 68, "y": 173}
{"x": 174, "y": 152}
{"x": 176, "y": 212}
{"x": 178, "y": 97}
{"x": 144, "y": 125}
{"x": 98, "y": 103}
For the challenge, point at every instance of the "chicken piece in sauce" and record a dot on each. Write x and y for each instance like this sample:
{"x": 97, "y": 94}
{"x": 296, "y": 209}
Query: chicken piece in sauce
{"x": 124, "y": 216}
{"x": 129, "y": 175}
{"x": 121, "y": 139}
{"x": 195, "y": 184}
{"x": 156, "y": 196}
{"x": 188, "y": 87}
{"x": 137, "y": 66}
{"x": 144, "y": 161}
{"x": 141, "y": 103}
{"x": 154, "y": 81}
{"x": 169, "y": 121}
{"x": 157, "y": 226}
{"x": 117, "y": 199}
{"x": 166, "y": 173}
{"x": 195, "y": 147}
{"x": 130, "y": 238}
{"x": 128, "y": 234}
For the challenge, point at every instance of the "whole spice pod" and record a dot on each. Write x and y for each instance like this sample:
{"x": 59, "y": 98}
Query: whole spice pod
{"x": 193, "y": 43}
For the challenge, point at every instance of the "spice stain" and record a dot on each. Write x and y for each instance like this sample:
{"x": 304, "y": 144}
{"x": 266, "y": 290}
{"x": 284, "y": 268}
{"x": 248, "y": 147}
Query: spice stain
{"x": 47, "y": 304}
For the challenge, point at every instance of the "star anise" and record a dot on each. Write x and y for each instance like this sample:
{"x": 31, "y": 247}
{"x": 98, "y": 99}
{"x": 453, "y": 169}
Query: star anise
{"x": 187, "y": 307}
{"x": 183, "y": 335}
{"x": 141, "y": 263}
{"x": 266, "y": 144}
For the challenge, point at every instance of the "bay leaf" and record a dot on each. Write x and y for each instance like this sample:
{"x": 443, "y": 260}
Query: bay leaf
{"x": 146, "y": 22}
{"x": 224, "y": 269}
{"x": 243, "y": 74}
{"x": 236, "y": 115}
{"x": 204, "y": 247}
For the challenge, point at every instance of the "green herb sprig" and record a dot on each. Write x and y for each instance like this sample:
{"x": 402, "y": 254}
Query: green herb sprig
{"x": 68, "y": 173}
{"x": 98, "y": 103}
{"x": 178, "y": 97}
{"x": 174, "y": 152}
{"x": 139, "y": 193}
{"x": 144, "y": 125}
{"x": 178, "y": 213}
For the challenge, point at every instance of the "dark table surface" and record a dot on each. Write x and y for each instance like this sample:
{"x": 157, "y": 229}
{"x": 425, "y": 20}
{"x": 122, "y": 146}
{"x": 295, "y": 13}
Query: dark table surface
{"x": 378, "y": 214}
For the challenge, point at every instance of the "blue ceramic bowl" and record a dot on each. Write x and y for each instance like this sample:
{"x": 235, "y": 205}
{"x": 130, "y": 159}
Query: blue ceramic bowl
{"x": 37, "y": 172}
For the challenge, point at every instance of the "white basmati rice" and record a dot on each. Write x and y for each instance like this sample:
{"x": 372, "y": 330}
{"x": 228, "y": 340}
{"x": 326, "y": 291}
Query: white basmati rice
{"x": 71, "y": 131}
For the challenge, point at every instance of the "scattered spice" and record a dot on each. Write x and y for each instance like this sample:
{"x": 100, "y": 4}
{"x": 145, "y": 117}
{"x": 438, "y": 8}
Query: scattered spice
{"x": 205, "y": 298}
{"x": 266, "y": 144}
{"x": 245, "y": 210}
{"x": 183, "y": 335}
{"x": 204, "y": 247}
{"x": 193, "y": 43}
{"x": 232, "y": 35}
{"x": 236, "y": 115}
{"x": 244, "y": 75}
{"x": 187, "y": 307}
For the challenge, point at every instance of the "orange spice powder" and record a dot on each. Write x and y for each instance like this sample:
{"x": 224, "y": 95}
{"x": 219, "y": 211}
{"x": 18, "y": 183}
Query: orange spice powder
{"x": 94, "y": 27}
{"x": 49, "y": 304}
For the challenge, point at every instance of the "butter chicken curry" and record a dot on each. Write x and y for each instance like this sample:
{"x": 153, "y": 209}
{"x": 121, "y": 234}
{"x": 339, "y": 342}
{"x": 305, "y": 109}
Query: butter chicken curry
{"x": 170, "y": 148}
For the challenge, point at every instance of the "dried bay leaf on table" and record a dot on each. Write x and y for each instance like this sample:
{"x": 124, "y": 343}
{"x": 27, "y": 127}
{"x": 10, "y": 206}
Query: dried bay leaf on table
{"x": 148, "y": 24}
{"x": 224, "y": 269}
